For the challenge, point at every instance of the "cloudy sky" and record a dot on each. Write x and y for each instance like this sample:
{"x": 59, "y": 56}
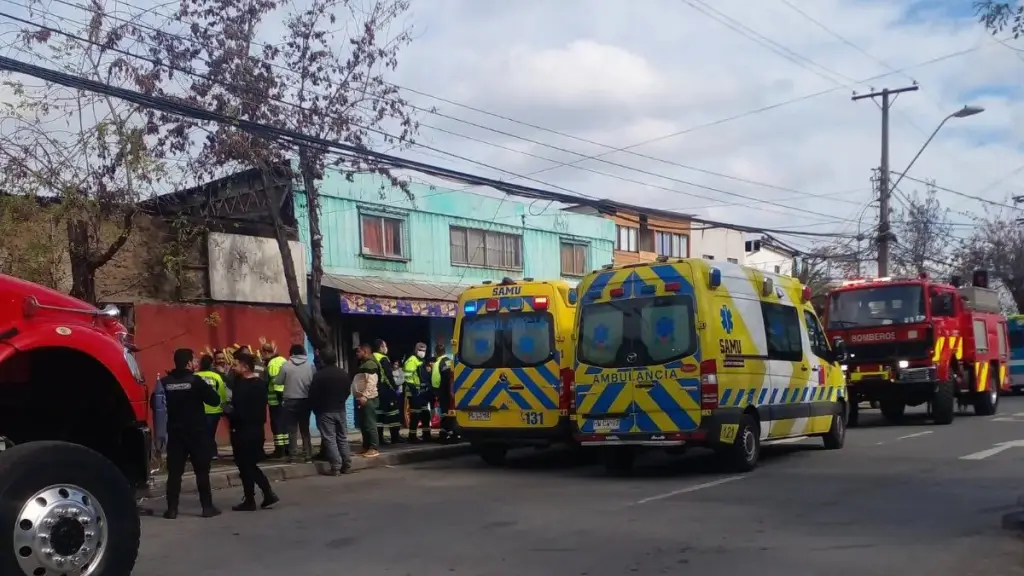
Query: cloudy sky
{"x": 735, "y": 111}
{"x": 757, "y": 92}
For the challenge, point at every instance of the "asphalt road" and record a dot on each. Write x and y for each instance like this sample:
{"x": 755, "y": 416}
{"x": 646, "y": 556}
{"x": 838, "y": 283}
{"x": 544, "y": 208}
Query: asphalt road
{"x": 896, "y": 500}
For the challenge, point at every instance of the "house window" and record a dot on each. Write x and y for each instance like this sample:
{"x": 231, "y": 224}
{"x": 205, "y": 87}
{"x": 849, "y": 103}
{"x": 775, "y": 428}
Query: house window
{"x": 473, "y": 247}
{"x": 574, "y": 259}
{"x": 627, "y": 238}
{"x": 672, "y": 245}
{"x": 733, "y": 260}
{"x": 709, "y": 257}
{"x": 382, "y": 237}
{"x": 778, "y": 269}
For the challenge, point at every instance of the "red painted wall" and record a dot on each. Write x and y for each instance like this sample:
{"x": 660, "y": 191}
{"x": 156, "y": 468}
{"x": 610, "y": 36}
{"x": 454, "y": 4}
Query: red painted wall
{"x": 161, "y": 328}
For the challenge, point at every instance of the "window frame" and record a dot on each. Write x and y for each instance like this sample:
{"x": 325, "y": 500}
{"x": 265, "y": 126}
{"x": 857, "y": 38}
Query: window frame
{"x": 674, "y": 239}
{"x": 503, "y": 349}
{"x": 574, "y": 246}
{"x": 632, "y": 238}
{"x": 632, "y": 336}
{"x": 812, "y": 326}
{"x": 504, "y": 237}
{"x": 792, "y": 354}
{"x": 403, "y": 235}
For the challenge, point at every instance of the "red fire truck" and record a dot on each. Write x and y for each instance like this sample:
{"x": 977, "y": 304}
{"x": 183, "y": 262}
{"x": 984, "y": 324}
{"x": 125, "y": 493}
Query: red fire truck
{"x": 73, "y": 435}
{"x": 917, "y": 341}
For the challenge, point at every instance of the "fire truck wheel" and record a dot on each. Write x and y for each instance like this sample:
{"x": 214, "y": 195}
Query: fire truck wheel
{"x": 986, "y": 403}
{"x": 65, "y": 510}
{"x": 893, "y": 409}
{"x": 944, "y": 403}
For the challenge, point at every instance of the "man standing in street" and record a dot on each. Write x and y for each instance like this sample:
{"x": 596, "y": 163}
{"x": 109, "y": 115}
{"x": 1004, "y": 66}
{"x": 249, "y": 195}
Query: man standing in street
{"x": 272, "y": 363}
{"x": 295, "y": 376}
{"x": 185, "y": 394}
{"x": 214, "y": 414}
{"x": 328, "y": 394}
{"x": 388, "y": 415}
{"x": 248, "y": 417}
{"x": 417, "y": 386}
{"x": 364, "y": 388}
{"x": 441, "y": 382}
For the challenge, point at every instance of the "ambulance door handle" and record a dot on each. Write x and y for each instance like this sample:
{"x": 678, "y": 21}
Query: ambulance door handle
{"x": 644, "y": 385}
{"x": 516, "y": 387}
{"x": 803, "y": 367}
{"x": 814, "y": 368}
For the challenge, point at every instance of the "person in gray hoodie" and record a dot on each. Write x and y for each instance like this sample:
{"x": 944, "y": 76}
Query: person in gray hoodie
{"x": 296, "y": 375}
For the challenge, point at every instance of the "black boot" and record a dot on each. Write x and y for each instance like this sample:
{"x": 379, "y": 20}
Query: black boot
{"x": 210, "y": 512}
{"x": 269, "y": 500}
{"x": 248, "y": 504}
{"x": 171, "y": 513}
{"x": 396, "y": 436}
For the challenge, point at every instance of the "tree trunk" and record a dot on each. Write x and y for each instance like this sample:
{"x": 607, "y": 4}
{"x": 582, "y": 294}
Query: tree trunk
{"x": 302, "y": 312}
{"x": 83, "y": 274}
{"x": 316, "y": 245}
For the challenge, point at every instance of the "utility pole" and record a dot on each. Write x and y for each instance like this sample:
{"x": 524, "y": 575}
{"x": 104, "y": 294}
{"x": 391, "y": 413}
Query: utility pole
{"x": 884, "y": 229}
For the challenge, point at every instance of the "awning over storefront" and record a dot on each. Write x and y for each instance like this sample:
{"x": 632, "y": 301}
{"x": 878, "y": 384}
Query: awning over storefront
{"x": 383, "y": 297}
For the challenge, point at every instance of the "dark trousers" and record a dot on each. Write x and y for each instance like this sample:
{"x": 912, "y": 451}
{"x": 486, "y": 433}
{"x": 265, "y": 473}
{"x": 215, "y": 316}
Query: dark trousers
{"x": 194, "y": 446}
{"x": 444, "y": 404}
{"x": 212, "y": 423}
{"x": 248, "y": 448}
{"x": 419, "y": 417}
{"x": 279, "y": 429}
{"x": 298, "y": 414}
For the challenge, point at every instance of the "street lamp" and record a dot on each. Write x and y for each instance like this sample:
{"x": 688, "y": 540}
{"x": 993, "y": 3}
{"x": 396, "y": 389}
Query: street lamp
{"x": 961, "y": 113}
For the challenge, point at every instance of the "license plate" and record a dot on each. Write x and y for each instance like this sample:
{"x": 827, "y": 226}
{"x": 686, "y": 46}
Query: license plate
{"x": 479, "y": 416}
{"x": 606, "y": 425}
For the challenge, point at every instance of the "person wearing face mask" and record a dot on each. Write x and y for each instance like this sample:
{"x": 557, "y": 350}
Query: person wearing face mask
{"x": 417, "y": 393}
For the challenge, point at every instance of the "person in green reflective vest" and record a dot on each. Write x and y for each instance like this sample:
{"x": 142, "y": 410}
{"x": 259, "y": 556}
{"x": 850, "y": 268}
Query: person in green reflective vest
{"x": 214, "y": 414}
{"x": 441, "y": 381}
{"x": 388, "y": 414}
{"x": 418, "y": 393}
{"x": 272, "y": 363}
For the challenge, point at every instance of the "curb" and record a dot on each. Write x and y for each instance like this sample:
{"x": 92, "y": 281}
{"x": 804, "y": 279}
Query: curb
{"x": 228, "y": 478}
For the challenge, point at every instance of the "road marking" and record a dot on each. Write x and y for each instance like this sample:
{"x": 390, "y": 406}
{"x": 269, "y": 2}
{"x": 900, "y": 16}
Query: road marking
{"x": 1005, "y": 419}
{"x": 689, "y": 489}
{"x": 914, "y": 435}
{"x": 996, "y": 449}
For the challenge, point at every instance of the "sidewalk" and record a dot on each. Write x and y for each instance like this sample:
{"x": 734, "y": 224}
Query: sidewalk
{"x": 224, "y": 474}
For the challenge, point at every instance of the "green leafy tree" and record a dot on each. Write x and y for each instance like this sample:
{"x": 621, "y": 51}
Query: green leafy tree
{"x": 1000, "y": 16}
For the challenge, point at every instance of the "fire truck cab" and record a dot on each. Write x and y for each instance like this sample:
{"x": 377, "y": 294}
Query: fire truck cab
{"x": 917, "y": 341}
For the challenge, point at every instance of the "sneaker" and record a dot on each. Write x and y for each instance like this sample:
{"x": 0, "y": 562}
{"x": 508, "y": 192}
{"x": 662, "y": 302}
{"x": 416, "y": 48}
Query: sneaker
{"x": 245, "y": 506}
{"x": 371, "y": 453}
{"x": 269, "y": 500}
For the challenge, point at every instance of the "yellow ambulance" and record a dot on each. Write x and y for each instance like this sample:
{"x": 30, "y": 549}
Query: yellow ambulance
{"x": 692, "y": 352}
{"x": 513, "y": 365}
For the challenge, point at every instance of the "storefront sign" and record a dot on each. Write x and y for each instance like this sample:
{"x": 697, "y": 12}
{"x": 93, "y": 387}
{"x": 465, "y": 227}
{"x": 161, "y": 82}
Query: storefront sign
{"x": 358, "y": 304}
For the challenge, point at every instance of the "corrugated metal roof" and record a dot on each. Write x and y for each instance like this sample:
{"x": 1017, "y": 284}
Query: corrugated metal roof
{"x": 393, "y": 289}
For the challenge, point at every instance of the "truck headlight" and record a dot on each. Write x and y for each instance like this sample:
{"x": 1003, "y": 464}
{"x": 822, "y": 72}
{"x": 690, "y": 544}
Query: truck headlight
{"x": 904, "y": 364}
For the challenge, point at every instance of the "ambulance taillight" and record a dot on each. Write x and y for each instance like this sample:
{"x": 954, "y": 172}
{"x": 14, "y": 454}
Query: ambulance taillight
{"x": 566, "y": 398}
{"x": 540, "y": 303}
{"x": 708, "y": 385}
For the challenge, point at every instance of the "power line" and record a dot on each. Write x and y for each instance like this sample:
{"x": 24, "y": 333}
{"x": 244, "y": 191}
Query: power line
{"x": 952, "y": 191}
{"x": 627, "y": 149}
{"x": 343, "y": 150}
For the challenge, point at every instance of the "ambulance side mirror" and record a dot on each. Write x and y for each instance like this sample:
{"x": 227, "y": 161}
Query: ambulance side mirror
{"x": 839, "y": 352}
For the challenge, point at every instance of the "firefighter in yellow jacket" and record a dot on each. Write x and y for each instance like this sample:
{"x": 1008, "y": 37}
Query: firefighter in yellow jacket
{"x": 214, "y": 414}
{"x": 388, "y": 413}
{"x": 418, "y": 393}
{"x": 275, "y": 390}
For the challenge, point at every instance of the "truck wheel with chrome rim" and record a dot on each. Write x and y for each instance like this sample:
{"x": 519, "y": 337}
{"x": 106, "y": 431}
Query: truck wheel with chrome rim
{"x": 67, "y": 510}
{"x": 986, "y": 403}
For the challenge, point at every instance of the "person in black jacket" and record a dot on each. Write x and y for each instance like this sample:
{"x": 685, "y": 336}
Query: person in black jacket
{"x": 328, "y": 393}
{"x": 248, "y": 416}
{"x": 185, "y": 395}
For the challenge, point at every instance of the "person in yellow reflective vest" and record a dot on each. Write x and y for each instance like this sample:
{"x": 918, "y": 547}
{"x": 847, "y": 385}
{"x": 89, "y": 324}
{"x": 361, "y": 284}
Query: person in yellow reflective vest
{"x": 418, "y": 393}
{"x": 388, "y": 413}
{"x": 441, "y": 372}
{"x": 275, "y": 391}
{"x": 214, "y": 414}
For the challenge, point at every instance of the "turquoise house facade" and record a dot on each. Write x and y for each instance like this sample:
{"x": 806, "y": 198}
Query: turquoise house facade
{"x": 395, "y": 265}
